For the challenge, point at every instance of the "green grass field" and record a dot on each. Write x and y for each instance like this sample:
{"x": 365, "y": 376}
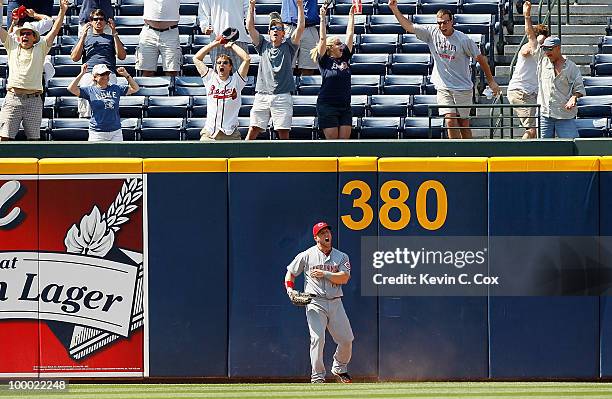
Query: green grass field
{"x": 437, "y": 390}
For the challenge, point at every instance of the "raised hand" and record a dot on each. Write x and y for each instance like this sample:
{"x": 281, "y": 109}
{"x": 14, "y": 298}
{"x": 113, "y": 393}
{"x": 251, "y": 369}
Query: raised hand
{"x": 323, "y": 11}
{"x": 121, "y": 71}
{"x": 252, "y": 4}
{"x": 527, "y": 9}
{"x": 208, "y": 30}
{"x": 64, "y": 5}
{"x": 299, "y": 3}
{"x": 113, "y": 26}
{"x": 84, "y": 69}
{"x": 392, "y": 3}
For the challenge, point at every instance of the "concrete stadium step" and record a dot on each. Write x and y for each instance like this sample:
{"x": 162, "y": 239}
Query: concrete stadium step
{"x": 574, "y": 20}
{"x": 504, "y": 70}
{"x": 598, "y": 29}
{"x": 580, "y": 9}
{"x": 567, "y": 39}
{"x": 569, "y": 49}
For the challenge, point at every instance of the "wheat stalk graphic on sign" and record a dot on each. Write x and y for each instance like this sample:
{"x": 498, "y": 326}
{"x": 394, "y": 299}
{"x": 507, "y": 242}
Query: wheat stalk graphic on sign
{"x": 95, "y": 236}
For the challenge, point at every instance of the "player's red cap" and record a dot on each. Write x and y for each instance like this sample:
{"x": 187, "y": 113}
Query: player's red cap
{"x": 318, "y": 227}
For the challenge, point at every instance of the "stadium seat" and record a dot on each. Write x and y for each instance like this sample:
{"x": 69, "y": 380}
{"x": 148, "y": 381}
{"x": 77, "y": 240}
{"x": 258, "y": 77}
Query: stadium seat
{"x": 249, "y": 89}
{"x": 369, "y": 64}
{"x": 57, "y": 87}
{"x": 595, "y": 106}
{"x": 254, "y": 66}
{"x": 189, "y": 86}
{"x": 262, "y": 23}
{"x": 605, "y": 45}
{"x": 161, "y": 128}
{"x": 154, "y": 86}
{"x": 410, "y": 44}
{"x": 129, "y": 63}
{"x": 379, "y": 128}
{"x": 432, "y": 6}
{"x": 132, "y": 106}
{"x": 48, "y": 107}
{"x": 198, "y": 42}
{"x": 168, "y": 107}
{"x": 128, "y": 24}
{"x": 598, "y": 85}
{"x": 304, "y": 105}
{"x": 243, "y": 128}
{"x": 411, "y": 64}
{"x": 302, "y": 128}
{"x": 44, "y": 129}
{"x": 403, "y": 84}
{"x": 590, "y": 127}
{"x": 430, "y": 88}
{"x": 247, "y": 104}
{"x": 309, "y": 85}
{"x": 406, "y": 7}
{"x": 601, "y": 65}
{"x": 64, "y": 66}
{"x": 3, "y": 66}
{"x": 129, "y": 128}
{"x": 66, "y": 44}
{"x": 193, "y": 127}
{"x": 71, "y": 25}
{"x": 189, "y": 68}
{"x": 385, "y": 24}
{"x": 198, "y": 107}
{"x": 424, "y": 19}
{"x": 131, "y": 7}
{"x": 189, "y": 7}
{"x": 187, "y": 25}
{"x": 377, "y": 43}
{"x": 268, "y": 6}
{"x": 418, "y": 128}
{"x": 69, "y": 129}
{"x": 337, "y": 24}
{"x": 67, "y": 107}
{"x": 343, "y": 7}
{"x": 365, "y": 84}
{"x": 491, "y": 7}
{"x": 420, "y": 104}
{"x": 389, "y": 105}
{"x": 359, "y": 104}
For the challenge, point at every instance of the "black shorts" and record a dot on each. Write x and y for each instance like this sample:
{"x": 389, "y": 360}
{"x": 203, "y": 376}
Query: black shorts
{"x": 333, "y": 115}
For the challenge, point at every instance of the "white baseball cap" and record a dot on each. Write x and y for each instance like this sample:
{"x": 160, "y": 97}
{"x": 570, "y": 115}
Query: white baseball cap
{"x": 28, "y": 26}
{"x": 100, "y": 69}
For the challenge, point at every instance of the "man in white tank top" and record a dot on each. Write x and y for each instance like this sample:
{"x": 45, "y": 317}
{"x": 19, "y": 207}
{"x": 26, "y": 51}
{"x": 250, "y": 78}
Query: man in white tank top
{"x": 523, "y": 87}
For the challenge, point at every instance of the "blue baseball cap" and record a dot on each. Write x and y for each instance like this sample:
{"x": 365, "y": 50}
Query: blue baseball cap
{"x": 550, "y": 42}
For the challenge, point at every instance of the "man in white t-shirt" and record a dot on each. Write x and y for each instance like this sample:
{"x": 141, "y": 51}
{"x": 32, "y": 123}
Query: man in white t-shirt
{"x": 223, "y": 88}
{"x": 160, "y": 36}
{"x": 451, "y": 51}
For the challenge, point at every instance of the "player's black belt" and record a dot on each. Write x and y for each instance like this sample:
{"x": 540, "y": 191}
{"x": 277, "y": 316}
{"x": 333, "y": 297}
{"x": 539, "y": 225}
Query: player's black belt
{"x": 163, "y": 30}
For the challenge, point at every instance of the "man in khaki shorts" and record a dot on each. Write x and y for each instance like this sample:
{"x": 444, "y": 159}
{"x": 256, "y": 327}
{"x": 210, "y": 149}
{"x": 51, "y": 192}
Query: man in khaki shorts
{"x": 275, "y": 74}
{"x": 160, "y": 36}
{"x": 310, "y": 38}
{"x": 451, "y": 51}
{"x": 26, "y": 56}
{"x": 523, "y": 87}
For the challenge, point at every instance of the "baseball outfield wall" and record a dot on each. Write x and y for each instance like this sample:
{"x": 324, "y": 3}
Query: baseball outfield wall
{"x": 128, "y": 267}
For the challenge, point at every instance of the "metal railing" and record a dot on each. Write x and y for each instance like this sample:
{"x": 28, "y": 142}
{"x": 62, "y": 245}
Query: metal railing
{"x": 495, "y": 122}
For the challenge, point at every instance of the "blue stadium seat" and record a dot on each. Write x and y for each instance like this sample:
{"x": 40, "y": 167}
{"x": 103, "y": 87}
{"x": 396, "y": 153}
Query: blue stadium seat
{"x": 425, "y": 19}
{"x": 309, "y": 85}
{"x": 129, "y": 63}
{"x": 418, "y": 128}
{"x": 381, "y": 24}
{"x": 365, "y": 84}
{"x": 491, "y": 7}
{"x": 67, "y": 107}
{"x": 601, "y": 65}
{"x": 57, "y": 87}
{"x": 379, "y": 128}
{"x": 129, "y": 128}
{"x": 304, "y": 105}
{"x": 69, "y": 129}
{"x": 168, "y": 107}
{"x": 403, "y": 84}
{"x": 483, "y": 24}
{"x": 410, "y": 44}
{"x": 337, "y": 24}
{"x": 411, "y": 64}
{"x": 71, "y": 25}
{"x": 420, "y": 103}
{"x": 302, "y": 128}
{"x": 268, "y": 6}
{"x": 432, "y": 6}
{"x": 193, "y": 127}
{"x": 377, "y": 43}
{"x": 3, "y": 66}
{"x": 198, "y": 42}
{"x": 359, "y": 105}
{"x": 389, "y": 105}
{"x": 430, "y": 88}
{"x": 189, "y": 86}
{"x": 198, "y": 106}
{"x": 132, "y": 106}
{"x": 593, "y": 127}
{"x": 189, "y": 7}
{"x": 187, "y": 24}
{"x": 369, "y": 64}
{"x": 254, "y": 66}
{"x": 161, "y": 128}
{"x": 249, "y": 89}
{"x": 189, "y": 68}
{"x": 598, "y": 85}
{"x": 131, "y": 7}
{"x": 128, "y": 24}
{"x": 66, "y": 43}
{"x": 247, "y": 104}
{"x": 605, "y": 45}
{"x": 64, "y": 66}
{"x": 595, "y": 106}
{"x": 154, "y": 86}
{"x": 49, "y": 107}
{"x": 44, "y": 129}
{"x": 406, "y": 7}
{"x": 262, "y": 23}
{"x": 343, "y": 7}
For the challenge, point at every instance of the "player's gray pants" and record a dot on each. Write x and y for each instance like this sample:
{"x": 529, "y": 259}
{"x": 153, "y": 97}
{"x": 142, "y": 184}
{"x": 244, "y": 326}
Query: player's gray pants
{"x": 328, "y": 313}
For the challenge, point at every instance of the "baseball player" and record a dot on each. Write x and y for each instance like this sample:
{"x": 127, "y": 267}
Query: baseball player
{"x": 325, "y": 271}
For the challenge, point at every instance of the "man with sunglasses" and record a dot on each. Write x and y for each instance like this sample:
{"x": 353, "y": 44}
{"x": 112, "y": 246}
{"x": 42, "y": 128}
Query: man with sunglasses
{"x": 223, "y": 90}
{"x": 26, "y": 57}
{"x": 275, "y": 74}
{"x": 96, "y": 47}
{"x": 560, "y": 87}
{"x": 451, "y": 75}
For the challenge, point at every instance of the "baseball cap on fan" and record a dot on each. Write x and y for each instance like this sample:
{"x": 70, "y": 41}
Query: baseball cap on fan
{"x": 318, "y": 227}
{"x": 100, "y": 69}
{"x": 550, "y": 42}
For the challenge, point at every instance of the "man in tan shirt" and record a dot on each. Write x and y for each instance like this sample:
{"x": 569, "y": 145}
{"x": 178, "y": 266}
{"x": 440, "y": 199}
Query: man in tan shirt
{"x": 26, "y": 56}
